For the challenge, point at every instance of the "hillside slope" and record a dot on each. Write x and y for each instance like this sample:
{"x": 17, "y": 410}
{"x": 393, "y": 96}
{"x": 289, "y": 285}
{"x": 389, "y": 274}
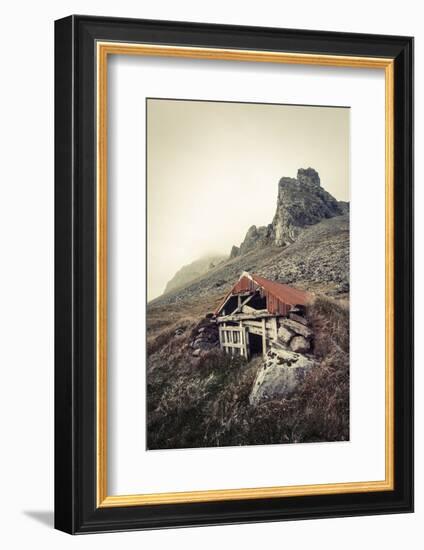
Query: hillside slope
{"x": 318, "y": 260}
{"x": 192, "y": 271}
{"x": 306, "y": 245}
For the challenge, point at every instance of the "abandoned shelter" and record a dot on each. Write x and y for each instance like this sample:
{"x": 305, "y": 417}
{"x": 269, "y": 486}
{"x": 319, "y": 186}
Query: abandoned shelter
{"x": 253, "y": 313}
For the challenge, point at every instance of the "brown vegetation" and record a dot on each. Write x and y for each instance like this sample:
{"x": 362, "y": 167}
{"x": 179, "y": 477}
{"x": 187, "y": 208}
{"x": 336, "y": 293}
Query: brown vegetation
{"x": 204, "y": 402}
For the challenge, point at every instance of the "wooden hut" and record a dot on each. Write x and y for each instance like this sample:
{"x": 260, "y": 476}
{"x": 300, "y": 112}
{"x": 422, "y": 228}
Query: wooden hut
{"x": 248, "y": 318}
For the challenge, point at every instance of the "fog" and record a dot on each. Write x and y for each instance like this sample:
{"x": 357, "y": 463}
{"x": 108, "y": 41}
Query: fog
{"x": 213, "y": 170}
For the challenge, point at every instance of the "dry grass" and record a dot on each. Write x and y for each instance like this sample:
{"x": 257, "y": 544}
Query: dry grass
{"x": 205, "y": 402}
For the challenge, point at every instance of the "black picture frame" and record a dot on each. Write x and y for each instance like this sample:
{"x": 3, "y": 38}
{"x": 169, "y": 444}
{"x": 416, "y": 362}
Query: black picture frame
{"x": 76, "y": 510}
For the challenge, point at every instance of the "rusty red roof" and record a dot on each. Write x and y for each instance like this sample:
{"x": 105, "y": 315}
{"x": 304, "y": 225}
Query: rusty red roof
{"x": 284, "y": 292}
{"x": 280, "y": 297}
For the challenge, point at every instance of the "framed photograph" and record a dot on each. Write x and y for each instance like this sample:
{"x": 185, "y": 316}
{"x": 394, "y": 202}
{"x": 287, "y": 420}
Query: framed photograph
{"x": 233, "y": 265}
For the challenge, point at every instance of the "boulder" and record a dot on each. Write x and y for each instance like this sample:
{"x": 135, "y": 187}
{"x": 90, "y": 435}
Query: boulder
{"x": 206, "y": 336}
{"x": 296, "y": 327}
{"x": 202, "y": 344}
{"x": 300, "y": 344}
{"x": 279, "y": 375}
{"x": 285, "y": 335}
{"x": 298, "y": 318}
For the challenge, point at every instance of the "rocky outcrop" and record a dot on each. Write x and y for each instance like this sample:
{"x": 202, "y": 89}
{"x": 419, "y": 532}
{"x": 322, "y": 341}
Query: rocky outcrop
{"x": 190, "y": 272}
{"x": 204, "y": 337}
{"x": 280, "y": 375}
{"x": 308, "y": 176}
{"x": 344, "y": 206}
{"x": 301, "y": 202}
{"x": 235, "y": 251}
{"x": 255, "y": 237}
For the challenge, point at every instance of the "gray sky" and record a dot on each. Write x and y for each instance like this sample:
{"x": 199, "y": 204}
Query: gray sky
{"x": 213, "y": 170}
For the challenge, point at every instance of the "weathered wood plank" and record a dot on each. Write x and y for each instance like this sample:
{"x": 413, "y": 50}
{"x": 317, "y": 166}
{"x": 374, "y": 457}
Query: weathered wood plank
{"x": 241, "y": 303}
{"x": 245, "y": 316}
{"x": 263, "y": 337}
{"x": 256, "y": 324}
{"x": 233, "y": 345}
{"x": 255, "y": 330}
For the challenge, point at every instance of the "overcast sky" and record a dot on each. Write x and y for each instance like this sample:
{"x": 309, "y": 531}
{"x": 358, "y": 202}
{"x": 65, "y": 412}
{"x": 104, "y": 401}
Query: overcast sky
{"x": 213, "y": 170}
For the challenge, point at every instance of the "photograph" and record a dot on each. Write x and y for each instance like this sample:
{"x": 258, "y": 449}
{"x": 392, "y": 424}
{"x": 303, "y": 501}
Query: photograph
{"x": 233, "y": 269}
{"x": 247, "y": 255}
{"x": 208, "y": 275}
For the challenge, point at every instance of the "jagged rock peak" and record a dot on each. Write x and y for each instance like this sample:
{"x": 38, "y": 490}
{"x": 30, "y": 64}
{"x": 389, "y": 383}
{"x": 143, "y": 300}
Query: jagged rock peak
{"x": 235, "y": 251}
{"x": 308, "y": 176}
{"x": 255, "y": 236}
{"x": 301, "y": 202}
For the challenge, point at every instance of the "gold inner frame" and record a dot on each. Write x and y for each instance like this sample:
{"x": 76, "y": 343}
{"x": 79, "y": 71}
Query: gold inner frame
{"x": 104, "y": 49}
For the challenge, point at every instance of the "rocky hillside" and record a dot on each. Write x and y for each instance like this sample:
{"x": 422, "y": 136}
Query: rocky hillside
{"x": 318, "y": 261}
{"x": 192, "y": 271}
{"x": 307, "y": 244}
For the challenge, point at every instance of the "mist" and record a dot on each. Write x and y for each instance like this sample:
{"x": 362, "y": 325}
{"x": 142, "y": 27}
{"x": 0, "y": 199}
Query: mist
{"x": 213, "y": 170}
